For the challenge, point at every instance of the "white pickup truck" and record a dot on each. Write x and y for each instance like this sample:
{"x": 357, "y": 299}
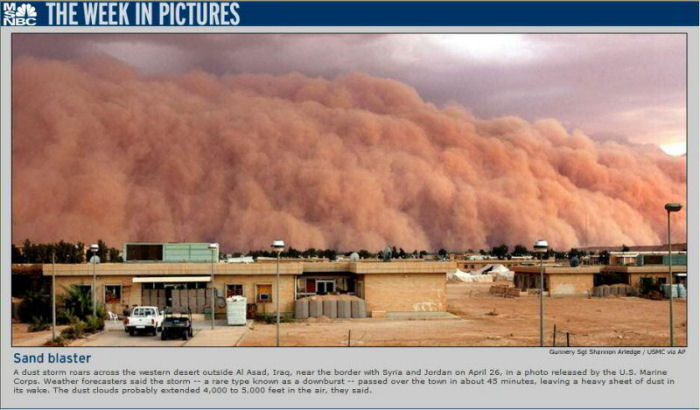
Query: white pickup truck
{"x": 147, "y": 319}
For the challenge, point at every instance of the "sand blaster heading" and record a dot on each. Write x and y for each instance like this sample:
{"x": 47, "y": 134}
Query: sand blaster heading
{"x": 60, "y": 358}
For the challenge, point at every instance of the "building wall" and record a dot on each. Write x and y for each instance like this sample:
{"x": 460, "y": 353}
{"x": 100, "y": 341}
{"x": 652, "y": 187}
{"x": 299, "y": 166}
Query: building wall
{"x": 131, "y": 292}
{"x": 647, "y": 271}
{"x": 677, "y": 259}
{"x": 635, "y": 277}
{"x": 173, "y": 269}
{"x": 570, "y": 284}
{"x": 178, "y": 252}
{"x": 397, "y": 286}
{"x": 525, "y": 281}
{"x": 249, "y": 283}
{"x": 623, "y": 259}
{"x": 189, "y": 252}
{"x": 405, "y": 293}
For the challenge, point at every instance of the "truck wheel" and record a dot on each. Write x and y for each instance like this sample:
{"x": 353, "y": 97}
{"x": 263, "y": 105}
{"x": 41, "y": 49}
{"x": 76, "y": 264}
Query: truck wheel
{"x": 162, "y": 336}
{"x": 184, "y": 335}
{"x": 131, "y": 332}
{"x": 190, "y": 332}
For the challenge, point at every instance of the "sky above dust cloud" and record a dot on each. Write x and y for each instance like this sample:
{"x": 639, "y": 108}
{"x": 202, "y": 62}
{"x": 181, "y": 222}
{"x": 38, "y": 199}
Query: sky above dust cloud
{"x": 348, "y": 141}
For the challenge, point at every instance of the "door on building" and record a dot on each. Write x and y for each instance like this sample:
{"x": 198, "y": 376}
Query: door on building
{"x": 324, "y": 286}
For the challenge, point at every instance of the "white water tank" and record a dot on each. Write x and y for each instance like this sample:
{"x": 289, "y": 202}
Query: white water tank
{"x": 236, "y": 310}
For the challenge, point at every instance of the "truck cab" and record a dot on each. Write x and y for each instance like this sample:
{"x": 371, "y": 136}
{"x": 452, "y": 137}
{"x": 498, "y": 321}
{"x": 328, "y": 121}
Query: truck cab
{"x": 146, "y": 319}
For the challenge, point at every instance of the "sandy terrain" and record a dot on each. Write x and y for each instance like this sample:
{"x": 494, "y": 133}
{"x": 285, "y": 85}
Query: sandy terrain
{"x": 114, "y": 335}
{"x": 487, "y": 320}
{"x": 22, "y": 337}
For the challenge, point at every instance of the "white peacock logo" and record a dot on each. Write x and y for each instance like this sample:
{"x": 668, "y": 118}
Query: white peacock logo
{"x": 26, "y": 10}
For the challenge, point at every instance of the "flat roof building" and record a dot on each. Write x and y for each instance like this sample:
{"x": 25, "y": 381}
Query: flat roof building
{"x": 647, "y": 258}
{"x": 397, "y": 286}
{"x": 580, "y": 280}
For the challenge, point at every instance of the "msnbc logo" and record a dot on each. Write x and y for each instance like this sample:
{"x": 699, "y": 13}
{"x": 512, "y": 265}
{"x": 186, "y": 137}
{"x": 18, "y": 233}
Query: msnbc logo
{"x": 24, "y": 15}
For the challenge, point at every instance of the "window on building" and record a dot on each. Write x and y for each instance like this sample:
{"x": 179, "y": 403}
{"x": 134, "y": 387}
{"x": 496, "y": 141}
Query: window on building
{"x": 113, "y": 293}
{"x": 610, "y": 278}
{"x": 350, "y": 286}
{"x": 653, "y": 259}
{"x": 263, "y": 293}
{"x": 234, "y": 289}
{"x": 144, "y": 252}
{"x": 324, "y": 286}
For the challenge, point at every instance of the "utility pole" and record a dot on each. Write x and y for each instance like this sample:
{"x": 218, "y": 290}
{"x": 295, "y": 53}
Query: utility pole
{"x": 541, "y": 247}
{"x": 671, "y": 207}
{"x": 53, "y": 295}
{"x": 278, "y": 246}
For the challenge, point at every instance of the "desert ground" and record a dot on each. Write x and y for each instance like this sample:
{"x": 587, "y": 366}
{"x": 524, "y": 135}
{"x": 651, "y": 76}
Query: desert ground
{"x": 21, "y": 337}
{"x": 488, "y": 320}
{"x": 478, "y": 319}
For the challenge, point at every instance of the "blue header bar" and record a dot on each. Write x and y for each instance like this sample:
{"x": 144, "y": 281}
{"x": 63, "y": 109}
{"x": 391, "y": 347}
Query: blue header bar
{"x": 348, "y": 13}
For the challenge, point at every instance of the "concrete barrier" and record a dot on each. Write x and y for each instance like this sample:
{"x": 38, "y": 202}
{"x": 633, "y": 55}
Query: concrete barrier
{"x": 330, "y": 308}
{"x": 344, "y": 308}
{"x": 358, "y": 308}
{"x": 301, "y": 309}
{"x": 315, "y": 308}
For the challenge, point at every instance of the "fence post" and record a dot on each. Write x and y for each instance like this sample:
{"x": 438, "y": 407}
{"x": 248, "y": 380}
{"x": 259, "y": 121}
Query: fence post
{"x": 567, "y": 339}
{"x": 349, "y": 337}
{"x": 554, "y": 336}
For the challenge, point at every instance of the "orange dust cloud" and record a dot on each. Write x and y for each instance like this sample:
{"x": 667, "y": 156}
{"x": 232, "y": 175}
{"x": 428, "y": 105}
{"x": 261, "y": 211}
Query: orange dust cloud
{"x": 101, "y": 151}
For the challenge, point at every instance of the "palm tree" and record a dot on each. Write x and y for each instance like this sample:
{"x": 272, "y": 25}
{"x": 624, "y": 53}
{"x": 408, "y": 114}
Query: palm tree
{"x": 77, "y": 301}
{"x": 35, "y": 304}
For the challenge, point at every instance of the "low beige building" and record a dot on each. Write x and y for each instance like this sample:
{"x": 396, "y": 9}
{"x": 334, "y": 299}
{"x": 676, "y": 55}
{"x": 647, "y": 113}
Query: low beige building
{"x": 385, "y": 286}
{"x": 558, "y": 281}
{"x": 658, "y": 274}
{"x": 580, "y": 280}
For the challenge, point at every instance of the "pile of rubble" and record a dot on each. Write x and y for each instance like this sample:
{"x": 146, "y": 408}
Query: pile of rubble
{"x": 505, "y": 291}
